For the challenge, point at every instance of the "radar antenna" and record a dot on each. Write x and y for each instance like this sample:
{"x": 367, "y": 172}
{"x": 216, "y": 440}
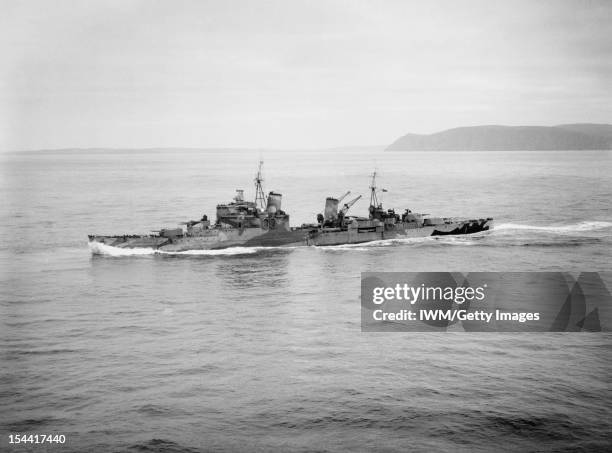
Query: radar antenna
{"x": 260, "y": 199}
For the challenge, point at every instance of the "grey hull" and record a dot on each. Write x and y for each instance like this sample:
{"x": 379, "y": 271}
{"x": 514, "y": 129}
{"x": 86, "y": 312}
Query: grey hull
{"x": 215, "y": 238}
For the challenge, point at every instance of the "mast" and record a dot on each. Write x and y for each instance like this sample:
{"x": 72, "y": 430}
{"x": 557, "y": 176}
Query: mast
{"x": 260, "y": 199}
{"x": 373, "y": 197}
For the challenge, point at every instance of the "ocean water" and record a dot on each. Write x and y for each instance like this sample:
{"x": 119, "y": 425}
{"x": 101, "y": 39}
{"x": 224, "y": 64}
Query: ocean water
{"x": 256, "y": 349}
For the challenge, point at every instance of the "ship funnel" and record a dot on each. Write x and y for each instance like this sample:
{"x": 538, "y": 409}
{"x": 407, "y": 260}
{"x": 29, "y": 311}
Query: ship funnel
{"x": 331, "y": 208}
{"x": 239, "y": 195}
{"x": 274, "y": 202}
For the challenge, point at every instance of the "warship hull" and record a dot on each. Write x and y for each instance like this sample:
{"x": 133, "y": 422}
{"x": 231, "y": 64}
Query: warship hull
{"x": 216, "y": 239}
{"x": 263, "y": 223}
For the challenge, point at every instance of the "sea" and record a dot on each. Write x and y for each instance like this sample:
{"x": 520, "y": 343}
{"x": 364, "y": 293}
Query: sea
{"x": 259, "y": 350}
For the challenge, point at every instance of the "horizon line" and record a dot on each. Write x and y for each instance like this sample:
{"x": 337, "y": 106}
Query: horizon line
{"x": 266, "y": 148}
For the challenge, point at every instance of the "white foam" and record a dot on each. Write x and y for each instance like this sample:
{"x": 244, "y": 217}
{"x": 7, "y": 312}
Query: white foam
{"x": 374, "y": 244}
{"x": 455, "y": 240}
{"x": 98, "y": 248}
{"x": 227, "y": 251}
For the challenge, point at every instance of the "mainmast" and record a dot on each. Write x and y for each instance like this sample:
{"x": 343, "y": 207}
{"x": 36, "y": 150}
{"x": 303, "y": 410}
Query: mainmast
{"x": 260, "y": 199}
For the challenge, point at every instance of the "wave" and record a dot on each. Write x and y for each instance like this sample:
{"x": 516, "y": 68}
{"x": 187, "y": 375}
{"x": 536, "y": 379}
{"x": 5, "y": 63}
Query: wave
{"x": 98, "y": 248}
{"x": 375, "y": 244}
{"x": 228, "y": 251}
{"x": 161, "y": 445}
{"x": 572, "y": 228}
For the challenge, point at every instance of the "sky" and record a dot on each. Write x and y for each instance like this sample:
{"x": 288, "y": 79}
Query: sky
{"x": 294, "y": 74}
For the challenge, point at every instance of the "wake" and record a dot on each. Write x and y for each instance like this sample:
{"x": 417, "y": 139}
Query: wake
{"x": 573, "y": 228}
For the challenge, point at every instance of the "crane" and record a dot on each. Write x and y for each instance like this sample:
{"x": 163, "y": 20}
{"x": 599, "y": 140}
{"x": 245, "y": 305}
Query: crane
{"x": 344, "y": 196}
{"x": 348, "y": 205}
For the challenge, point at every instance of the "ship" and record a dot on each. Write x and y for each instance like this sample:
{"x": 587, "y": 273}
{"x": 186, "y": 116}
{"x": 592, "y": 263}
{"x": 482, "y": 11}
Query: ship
{"x": 263, "y": 223}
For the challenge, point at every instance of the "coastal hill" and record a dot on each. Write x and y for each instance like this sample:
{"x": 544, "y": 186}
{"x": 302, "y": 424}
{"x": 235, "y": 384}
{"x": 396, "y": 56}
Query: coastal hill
{"x": 510, "y": 138}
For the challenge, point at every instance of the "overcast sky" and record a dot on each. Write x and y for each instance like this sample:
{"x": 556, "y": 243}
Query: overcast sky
{"x": 292, "y": 74}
